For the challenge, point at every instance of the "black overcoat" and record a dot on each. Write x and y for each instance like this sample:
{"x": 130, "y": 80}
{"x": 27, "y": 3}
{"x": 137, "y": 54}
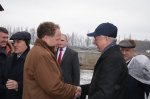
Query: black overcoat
{"x": 3, "y": 58}
{"x": 13, "y": 69}
{"x": 109, "y": 80}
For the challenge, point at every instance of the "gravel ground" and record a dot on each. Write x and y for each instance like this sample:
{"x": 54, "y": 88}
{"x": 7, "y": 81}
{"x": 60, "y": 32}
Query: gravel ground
{"x": 86, "y": 76}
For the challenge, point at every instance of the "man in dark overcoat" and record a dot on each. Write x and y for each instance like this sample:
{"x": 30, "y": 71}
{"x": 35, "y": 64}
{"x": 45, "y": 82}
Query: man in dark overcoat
{"x": 12, "y": 74}
{"x": 109, "y": 80}
{"x": 136, "y": 88}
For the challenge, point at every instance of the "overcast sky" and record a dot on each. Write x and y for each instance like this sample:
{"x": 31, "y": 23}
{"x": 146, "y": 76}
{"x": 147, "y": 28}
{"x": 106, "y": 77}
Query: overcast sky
{"x": 132, "y": 17}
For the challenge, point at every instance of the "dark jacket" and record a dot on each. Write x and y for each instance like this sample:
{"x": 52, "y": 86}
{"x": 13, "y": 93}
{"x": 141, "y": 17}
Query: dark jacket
{"x": 109, "y": 80}
{"x": 70, "y": 67}
{"x": 13, "y": 69}
{"x": 136, "y": 89}
{"x": 4, "y": 53}
{"x": 3, "y": 58}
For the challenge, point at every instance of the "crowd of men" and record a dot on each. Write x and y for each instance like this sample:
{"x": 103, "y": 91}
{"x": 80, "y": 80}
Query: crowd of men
{"x": 51, "y": 70}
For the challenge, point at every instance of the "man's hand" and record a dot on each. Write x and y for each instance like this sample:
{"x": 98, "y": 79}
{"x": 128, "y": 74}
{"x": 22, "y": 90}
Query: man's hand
{"x": 78, "y": 92}
{"x": 12, "y": 84}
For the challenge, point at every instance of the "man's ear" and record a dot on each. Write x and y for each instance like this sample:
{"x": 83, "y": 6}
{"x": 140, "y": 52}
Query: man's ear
{"x": 45, "y": 37}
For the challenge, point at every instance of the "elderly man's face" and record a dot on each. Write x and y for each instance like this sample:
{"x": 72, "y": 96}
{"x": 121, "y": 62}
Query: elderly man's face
{"x": 3, "y": 39}
{"x": 101, "y": 42}
{"x": 19, "y": 46}
{"x": 128, "y": 53}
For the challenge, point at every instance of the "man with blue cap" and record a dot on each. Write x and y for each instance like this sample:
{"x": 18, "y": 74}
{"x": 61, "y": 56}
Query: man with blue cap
{"x": 109, "y": 79}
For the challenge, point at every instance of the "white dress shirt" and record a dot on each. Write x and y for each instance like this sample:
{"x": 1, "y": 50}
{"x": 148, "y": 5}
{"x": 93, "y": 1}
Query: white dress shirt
{"x": 63, "y": 51}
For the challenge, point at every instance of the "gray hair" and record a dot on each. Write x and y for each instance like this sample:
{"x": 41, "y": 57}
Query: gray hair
{"x": 113, "y": 39}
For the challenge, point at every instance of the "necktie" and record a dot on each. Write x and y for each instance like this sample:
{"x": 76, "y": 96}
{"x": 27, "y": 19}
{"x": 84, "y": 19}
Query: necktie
{"x": 60, "y": 55}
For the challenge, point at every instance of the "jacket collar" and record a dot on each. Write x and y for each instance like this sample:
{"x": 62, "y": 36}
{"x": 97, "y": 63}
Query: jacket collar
{"x": 109, "y": 46}
{"x": 2, "y": 50}
{"x": 109, "y": 51}
{"x": 42, "y": 43}
{"x": 24, "y": 54}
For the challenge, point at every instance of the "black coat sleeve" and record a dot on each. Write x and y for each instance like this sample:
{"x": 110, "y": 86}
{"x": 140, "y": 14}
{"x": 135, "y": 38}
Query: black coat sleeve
{"x": 85, "y": 89}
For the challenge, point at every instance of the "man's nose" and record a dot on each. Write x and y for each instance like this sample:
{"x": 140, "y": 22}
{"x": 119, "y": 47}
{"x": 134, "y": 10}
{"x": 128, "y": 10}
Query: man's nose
{"x": 5, "y": 39}
{"x": 14, "y": 43}
{"x": 123, "y": 52}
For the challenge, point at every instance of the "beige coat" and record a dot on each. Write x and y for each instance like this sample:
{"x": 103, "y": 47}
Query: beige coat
{"x": 42, "y": 75}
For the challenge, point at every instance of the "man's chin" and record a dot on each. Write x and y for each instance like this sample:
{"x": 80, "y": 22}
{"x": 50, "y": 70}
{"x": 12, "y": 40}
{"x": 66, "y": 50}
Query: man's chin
{"x": 3, "y": 45}
{"x": 16, "y": 52}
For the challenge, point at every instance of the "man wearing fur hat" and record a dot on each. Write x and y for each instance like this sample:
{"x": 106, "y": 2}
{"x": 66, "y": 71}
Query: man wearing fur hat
{"x": 139, "y": 74}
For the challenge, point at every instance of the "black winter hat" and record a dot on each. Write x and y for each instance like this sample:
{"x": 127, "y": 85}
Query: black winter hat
{"x": 23, "y": 35}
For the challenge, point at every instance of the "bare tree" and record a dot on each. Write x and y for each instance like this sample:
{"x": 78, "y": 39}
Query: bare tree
{"x": 33, "y": 35}
{"x": 87, "y": 40}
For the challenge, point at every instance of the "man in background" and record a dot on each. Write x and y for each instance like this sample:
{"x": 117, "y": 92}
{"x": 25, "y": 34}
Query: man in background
{"x": 136, "y": 87}
{"x": 5, "y": 50}
{"x": 13, "y": 68}
{"x": 5, "y": 47}
{"x": 69, "y": 62}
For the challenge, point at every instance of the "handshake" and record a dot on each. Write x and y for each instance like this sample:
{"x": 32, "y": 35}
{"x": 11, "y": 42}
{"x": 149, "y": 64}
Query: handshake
{"x": 78, "y": 92}
{"x": 81, "y": 92}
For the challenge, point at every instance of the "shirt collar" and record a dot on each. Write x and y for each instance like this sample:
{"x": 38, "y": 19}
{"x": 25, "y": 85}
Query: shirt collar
{"x": 109, "y": 46}
{"x": 63, "y": 49}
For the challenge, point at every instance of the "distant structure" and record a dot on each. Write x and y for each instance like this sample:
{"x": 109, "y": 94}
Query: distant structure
{"x": 147, "y": 51}
{"x": 1, "y": 8}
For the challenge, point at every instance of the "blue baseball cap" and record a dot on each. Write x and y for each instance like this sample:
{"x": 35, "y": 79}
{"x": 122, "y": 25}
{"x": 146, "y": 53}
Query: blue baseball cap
{"x": 105, "y": 29}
